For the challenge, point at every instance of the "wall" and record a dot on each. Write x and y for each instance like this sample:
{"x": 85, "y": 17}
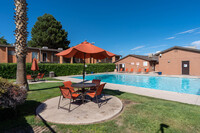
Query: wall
{"x": 6, "y": 58}
{"x": 170, "y": 63}
{"x": 3, "y": 58}
{"x": 128, "y": 60}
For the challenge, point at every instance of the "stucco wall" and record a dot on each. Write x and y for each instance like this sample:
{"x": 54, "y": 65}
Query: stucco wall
{"x": 170, "y": 63}
{"x": 3, "y": 58}
{"x": 128, "y": 60}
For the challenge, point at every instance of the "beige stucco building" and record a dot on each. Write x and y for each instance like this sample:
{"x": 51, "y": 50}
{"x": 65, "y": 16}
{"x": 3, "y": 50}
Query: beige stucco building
{"x": 179, "y": 61}
{"x": 45, "y": 55}
{"x": 173, "y": 61}
{"x": 137, "y": 62}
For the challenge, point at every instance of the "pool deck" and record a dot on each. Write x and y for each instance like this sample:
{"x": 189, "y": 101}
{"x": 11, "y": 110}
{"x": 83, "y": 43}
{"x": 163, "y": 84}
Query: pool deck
{"x": 161, "y": 94}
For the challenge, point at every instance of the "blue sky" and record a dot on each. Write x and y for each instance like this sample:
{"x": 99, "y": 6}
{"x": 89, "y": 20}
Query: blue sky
{"x": 119, "y": 26}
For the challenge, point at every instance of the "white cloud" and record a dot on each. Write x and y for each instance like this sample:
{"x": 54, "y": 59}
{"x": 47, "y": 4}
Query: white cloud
{"x": 139, "y": 47}
{"x": 196, "y": 44}
{"x": 170, "y": 38}
{"x": 157, "y": 46}
{"x": 188, "y": 31}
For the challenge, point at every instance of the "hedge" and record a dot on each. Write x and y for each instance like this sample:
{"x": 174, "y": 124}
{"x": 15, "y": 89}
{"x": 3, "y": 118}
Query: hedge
{"x": 8, "y": 70}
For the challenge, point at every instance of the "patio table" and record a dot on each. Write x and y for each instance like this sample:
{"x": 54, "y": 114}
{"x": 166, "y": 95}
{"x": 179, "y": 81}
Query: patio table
{"x": 83, "y": 86}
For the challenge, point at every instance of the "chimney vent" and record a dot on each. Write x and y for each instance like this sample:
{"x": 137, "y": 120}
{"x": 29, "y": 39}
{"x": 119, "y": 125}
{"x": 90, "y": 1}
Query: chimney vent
{"x": 150, "y": 55}
{"x": 45, "y": 47}
{"x": 60, "y": 48}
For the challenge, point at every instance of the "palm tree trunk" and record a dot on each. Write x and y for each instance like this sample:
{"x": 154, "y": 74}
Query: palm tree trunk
{"x": 21, "y": 41}
{"x": 21, "y": 72}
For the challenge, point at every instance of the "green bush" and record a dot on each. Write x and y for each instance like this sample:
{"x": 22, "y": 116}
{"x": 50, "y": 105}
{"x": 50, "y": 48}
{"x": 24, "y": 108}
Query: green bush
{"x": 11, "y": 94}
{"x": 8, "y": 70}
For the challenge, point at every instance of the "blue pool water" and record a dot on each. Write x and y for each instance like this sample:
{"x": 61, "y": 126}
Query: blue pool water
{"x": 181, "y": 85}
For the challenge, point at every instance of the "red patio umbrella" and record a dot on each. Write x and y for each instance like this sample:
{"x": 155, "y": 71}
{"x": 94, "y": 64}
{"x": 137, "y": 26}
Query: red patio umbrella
{"x": 86, "y": 50}
{"x": 34, "y": 66}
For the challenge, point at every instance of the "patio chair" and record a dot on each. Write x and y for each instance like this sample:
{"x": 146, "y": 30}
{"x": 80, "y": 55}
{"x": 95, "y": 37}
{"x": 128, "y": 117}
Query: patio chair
{"x": 68, "y": 84}
{"x": 121, "y": 70}
{"x": 139, "y": 70}
{"x": 97, "y": 93}
{"x": 147, "y": 70}
{"x": 29, "y": 77}
{"x": 68, "y": 94}
{"x": 131, "y": 70}
{"x": 40, "y": 76}
{"x": 97, "y": 82}
{"x": 126, "y": 70}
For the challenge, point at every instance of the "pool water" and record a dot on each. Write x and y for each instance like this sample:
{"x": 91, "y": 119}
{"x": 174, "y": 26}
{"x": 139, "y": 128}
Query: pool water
{"x": 181, "y": 85}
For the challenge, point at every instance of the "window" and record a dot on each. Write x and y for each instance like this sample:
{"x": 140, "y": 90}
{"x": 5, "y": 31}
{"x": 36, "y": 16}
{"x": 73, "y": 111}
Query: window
{"x": 145, "y": 63}
{"x": 34, "y": 55}
{"x": 44, "y": 57}
{"x": 11, "y": 52}
{"x": 137, "y": 63}
{"x": 132, "y": 63}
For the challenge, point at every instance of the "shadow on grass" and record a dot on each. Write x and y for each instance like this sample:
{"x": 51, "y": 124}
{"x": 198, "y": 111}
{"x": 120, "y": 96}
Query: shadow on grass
{"x": 14, "y": 121}
{"x": 113, "y": 92}
{"x": 45, "y": 88}
{"x": 162, "y": 128}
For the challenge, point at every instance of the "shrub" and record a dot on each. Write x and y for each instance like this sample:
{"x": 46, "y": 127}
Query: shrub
{"x": 9, "y": 70}
{"x": 11, "y": 95}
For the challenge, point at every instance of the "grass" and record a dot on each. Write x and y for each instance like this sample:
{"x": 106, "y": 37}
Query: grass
{"x": 141, "y": 114}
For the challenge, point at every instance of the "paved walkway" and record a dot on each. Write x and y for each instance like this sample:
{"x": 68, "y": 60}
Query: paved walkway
{"x": 87, "y": 113}
{"x": 167, "y": 95}
{"x": 43, "y": 82}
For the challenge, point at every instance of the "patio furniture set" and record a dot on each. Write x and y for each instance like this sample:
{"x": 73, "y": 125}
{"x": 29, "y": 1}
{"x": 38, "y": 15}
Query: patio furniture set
{"x": 92, "y": 90}
{"x": 33, "y": 77}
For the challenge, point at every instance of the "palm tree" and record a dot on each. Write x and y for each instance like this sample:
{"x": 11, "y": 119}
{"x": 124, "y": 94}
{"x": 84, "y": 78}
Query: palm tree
{"x": 21, "y": 41}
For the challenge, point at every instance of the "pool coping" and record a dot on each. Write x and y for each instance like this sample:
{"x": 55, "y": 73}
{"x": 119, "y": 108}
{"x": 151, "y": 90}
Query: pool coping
{"x": 161, "y": 94}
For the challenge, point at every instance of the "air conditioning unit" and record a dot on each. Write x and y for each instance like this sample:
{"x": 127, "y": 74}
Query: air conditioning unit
{"x": 60, "y": 48}
{"x": 45, "y": 47}
{"x": 150, "y": 55}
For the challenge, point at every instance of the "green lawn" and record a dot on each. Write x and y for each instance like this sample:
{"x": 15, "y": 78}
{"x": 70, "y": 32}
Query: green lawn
{"x": 141, "y": 114}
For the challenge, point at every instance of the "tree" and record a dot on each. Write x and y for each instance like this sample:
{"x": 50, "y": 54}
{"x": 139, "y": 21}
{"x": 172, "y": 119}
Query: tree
{"x": 21, "y": 41}
{"x": 47, "y": 31}
{"x": 3, "y": 41}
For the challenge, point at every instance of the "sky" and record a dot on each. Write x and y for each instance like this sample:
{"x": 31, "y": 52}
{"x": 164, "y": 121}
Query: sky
{"x": 119, "y": 26}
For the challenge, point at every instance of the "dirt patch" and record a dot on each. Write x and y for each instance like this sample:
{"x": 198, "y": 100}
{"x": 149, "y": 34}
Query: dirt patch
{"x": 128, "y": 103}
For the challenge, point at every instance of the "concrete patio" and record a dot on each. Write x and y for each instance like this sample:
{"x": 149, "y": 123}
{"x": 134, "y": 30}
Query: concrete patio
{"x": 80, "y": 114}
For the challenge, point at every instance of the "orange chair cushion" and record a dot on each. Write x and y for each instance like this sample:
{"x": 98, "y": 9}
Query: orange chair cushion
{"x": 75, "y": 95}
{"x": 91, "y": 94}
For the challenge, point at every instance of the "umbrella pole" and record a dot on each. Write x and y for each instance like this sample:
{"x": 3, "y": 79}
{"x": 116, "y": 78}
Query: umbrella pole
{"x": 84, "y": 69}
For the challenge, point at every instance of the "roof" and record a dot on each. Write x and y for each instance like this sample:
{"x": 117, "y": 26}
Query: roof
{"x": 118, "y": 55}
{"x": 147, "y": 58}
{"x": 34, "y": 48}
{"x": 181, "y": 48}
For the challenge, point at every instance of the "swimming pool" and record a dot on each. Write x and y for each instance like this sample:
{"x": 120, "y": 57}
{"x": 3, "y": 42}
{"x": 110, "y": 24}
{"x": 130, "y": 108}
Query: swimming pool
{"x": 181, "y": 85}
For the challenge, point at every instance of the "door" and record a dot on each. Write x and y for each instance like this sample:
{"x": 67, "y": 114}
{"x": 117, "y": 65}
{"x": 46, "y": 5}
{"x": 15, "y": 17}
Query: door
{"x": 121, "y": 67}
{"x": 185, "y": 67}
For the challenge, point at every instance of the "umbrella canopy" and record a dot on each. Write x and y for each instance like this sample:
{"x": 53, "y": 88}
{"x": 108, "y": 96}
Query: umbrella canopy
{"x": 86, "y": 50}
{"x": 34, "y": 66}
